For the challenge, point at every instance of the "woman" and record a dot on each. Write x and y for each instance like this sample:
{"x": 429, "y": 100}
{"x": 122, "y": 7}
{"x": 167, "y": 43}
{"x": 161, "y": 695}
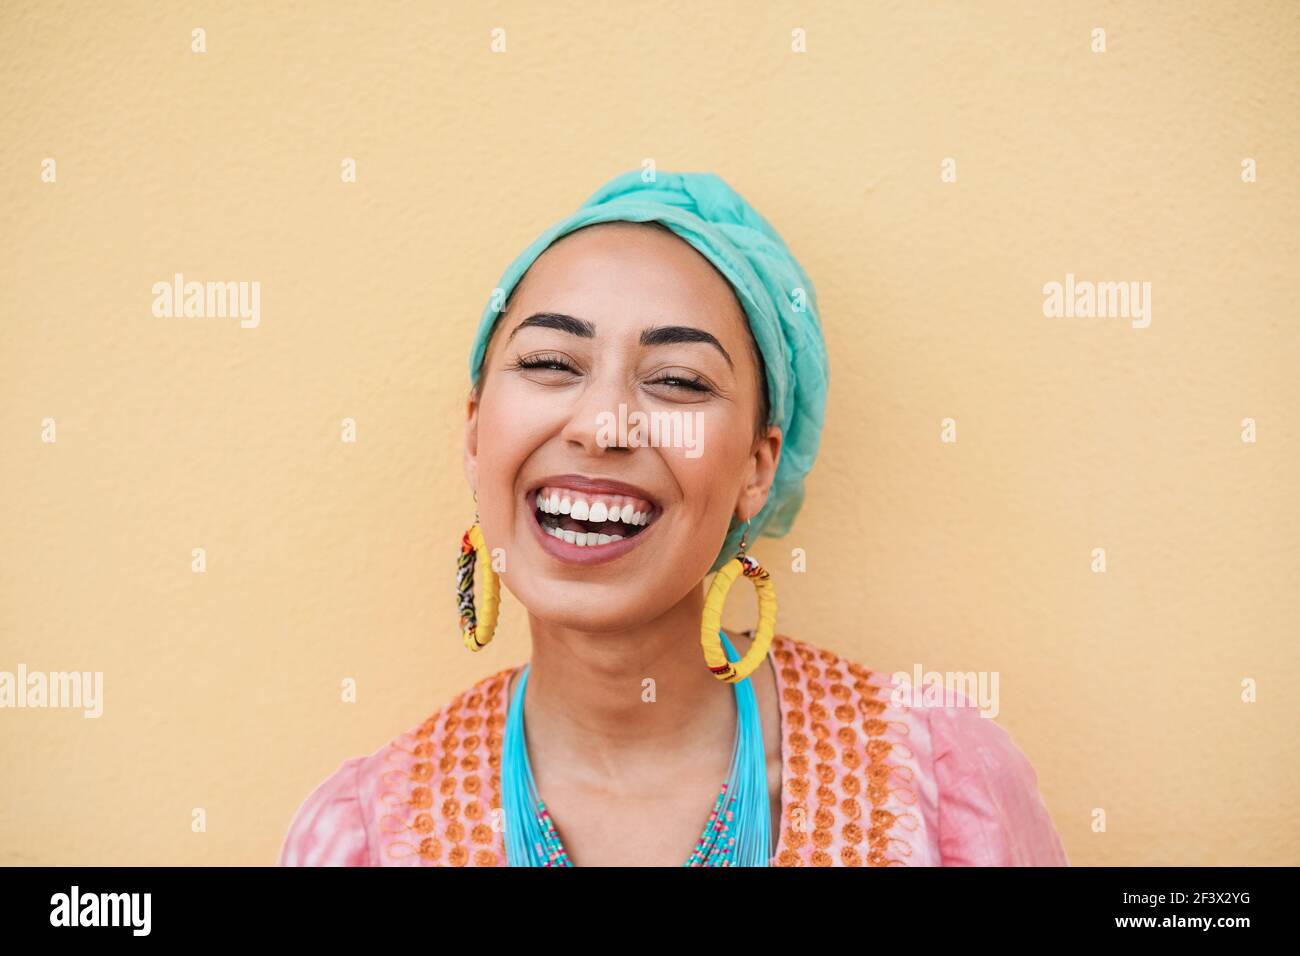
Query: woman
{"x": 647, "y": 404}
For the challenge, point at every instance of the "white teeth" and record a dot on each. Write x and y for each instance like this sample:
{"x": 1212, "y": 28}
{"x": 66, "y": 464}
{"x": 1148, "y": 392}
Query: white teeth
{"x": 562, "y": 503}
{"x": 589, "y": 539}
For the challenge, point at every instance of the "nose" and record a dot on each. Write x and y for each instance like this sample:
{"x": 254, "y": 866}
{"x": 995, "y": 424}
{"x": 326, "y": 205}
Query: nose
{"x": 599, "y": 419}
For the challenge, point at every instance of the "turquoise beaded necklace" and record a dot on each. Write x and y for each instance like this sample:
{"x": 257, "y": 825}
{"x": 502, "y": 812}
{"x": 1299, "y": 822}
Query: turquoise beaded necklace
{"x": 738, "y": 831}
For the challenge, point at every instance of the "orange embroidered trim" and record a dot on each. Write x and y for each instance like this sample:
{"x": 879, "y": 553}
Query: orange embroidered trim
{"x": 794, "y": 826}
{"x": 817, "y": 698}
{"x": 446, "y": 818}
{"x": 881, "y": 771}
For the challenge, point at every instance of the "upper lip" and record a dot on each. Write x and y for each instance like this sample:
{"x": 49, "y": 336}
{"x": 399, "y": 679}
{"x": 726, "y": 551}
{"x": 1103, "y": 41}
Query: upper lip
{"x": 595, "y": 486}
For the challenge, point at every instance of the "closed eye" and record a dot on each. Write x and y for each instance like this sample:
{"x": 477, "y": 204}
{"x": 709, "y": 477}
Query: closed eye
{"x": 549, "y": 362}
{"x": 557, "y": 363}
{"x": 678, "y": 381}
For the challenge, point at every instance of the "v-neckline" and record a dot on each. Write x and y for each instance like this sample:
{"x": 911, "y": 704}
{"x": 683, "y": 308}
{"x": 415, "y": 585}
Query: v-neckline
{"x": 778, "y": 836}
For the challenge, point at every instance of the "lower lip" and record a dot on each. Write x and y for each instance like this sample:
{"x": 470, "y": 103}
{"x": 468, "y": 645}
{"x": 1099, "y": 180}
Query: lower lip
{"x": 577, "y": 554}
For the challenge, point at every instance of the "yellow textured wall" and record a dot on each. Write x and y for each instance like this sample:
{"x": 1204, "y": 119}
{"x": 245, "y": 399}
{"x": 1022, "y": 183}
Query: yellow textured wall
{"x": 328, "y": 560}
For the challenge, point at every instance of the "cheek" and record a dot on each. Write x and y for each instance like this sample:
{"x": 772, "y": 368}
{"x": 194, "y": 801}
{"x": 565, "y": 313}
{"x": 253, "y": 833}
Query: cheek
{"x": 509, "y": 416}
{"x": 505, "y": 439}
{"x": 709, "y": 469}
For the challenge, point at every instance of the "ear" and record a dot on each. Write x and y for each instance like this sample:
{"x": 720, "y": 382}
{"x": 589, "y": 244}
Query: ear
{"x": 471, "y": 440}
{"x": 762, "y": 468}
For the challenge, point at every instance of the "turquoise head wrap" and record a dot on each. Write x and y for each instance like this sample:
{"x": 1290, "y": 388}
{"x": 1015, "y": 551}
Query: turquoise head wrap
{"x": 778, "y": 298}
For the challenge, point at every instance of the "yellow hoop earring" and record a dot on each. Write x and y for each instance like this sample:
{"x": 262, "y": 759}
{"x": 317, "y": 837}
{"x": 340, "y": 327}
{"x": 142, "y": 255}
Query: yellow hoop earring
{"x": 473, "y": 548}
{"x": 711, "y": 622}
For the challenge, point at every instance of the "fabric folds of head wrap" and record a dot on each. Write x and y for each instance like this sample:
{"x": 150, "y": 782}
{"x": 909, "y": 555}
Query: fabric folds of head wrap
{"x": 778, "y": 298}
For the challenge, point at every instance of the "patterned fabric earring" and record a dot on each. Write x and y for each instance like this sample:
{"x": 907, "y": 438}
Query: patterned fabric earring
{"x": 473, "y": 549}
{"x": 711, "y": 621}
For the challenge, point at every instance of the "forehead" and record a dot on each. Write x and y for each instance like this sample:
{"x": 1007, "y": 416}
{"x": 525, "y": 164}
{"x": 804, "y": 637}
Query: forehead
{"x": 623, "y": 272}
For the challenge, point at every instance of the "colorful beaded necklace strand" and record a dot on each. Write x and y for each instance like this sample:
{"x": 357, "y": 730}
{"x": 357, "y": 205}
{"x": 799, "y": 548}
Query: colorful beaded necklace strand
{"x": 738, "y": 831}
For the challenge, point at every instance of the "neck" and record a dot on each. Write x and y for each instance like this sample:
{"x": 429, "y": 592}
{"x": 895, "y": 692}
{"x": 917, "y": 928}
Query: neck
{"x": 627, "y": 704}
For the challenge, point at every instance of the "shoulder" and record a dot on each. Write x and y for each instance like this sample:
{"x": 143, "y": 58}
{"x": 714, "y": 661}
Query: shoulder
{"x": 328, "y": 828}
{"x": 945, "y": 784}
{"x": 990, "y": 811}
{"x": 374, "y": 810}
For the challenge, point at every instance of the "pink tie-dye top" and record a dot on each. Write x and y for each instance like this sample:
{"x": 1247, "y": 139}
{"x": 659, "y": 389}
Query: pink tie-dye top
{"x": 866, "y": 781}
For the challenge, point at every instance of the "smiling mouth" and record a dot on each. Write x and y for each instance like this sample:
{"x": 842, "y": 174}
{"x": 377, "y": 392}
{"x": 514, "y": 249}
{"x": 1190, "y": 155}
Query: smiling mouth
{"x": 588, "y": 520}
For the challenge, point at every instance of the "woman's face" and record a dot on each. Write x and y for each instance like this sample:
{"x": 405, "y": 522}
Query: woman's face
{"x": 613, "y": 326}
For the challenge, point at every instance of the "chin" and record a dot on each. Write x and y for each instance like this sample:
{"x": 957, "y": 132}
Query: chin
{"x": 590, "y": 605}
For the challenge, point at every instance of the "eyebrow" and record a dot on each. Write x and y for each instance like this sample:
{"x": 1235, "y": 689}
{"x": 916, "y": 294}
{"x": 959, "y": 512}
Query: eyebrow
{"x": 654, "y": 335}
